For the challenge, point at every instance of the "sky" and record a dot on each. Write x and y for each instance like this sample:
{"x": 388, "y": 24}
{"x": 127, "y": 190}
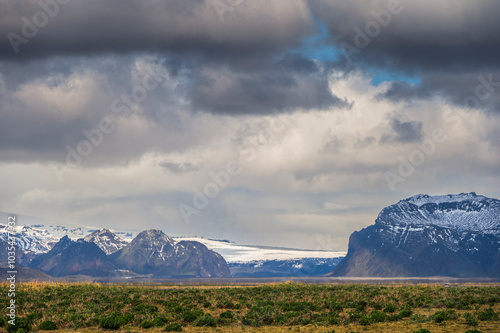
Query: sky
{"x": 285, "y": 122}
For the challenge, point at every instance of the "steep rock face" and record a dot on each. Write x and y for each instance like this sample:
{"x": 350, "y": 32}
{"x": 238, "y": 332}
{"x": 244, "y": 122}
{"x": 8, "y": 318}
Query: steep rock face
{"x": 450, "y": 235}
{"x": 153, "y": 252}
{"x": 68, "y": 257}
{"x": 106, "y": 240}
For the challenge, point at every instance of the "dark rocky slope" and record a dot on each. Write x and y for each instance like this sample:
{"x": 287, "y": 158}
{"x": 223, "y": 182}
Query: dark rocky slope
{"x": 69, "y": 257}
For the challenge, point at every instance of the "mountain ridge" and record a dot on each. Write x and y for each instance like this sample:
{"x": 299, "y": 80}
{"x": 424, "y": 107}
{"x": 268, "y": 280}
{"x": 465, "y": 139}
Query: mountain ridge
{"x": 428, "y": 236}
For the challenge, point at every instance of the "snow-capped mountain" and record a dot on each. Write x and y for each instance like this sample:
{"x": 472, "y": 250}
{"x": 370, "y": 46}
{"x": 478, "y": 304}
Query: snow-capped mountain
{"x": 77, "y": 232}
{"x": 30, "y": 240}
{"x": 447, "y": 235}
{"x": 465, "y": 212}
{"x": 153, "y": 252}
{"x": 106, "y": 240}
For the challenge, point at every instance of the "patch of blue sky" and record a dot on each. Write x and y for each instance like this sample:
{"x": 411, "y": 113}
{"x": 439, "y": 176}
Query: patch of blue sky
{"x": 319, "y": 46}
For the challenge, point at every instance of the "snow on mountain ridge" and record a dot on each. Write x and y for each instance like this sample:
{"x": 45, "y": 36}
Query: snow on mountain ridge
{"x": 465, "y": 212}
{"x": 30, "y": 239}
{"x": 421, "y": 199}
{"x": 106, "y": 240}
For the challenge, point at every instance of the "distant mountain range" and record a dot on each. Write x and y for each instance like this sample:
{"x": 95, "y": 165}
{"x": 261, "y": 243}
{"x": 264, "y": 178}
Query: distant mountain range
{"x": 422, "y": 236}
{"x": 449, "y": 235}
{"x": 149, "y": 252}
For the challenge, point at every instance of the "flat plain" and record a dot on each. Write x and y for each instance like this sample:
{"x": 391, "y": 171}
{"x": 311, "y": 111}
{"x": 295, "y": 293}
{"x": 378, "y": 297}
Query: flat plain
{"x": 274, "y": 307}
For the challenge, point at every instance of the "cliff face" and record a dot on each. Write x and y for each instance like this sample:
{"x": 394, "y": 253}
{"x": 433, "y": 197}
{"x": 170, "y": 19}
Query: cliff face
{"x": 452, "y": 235}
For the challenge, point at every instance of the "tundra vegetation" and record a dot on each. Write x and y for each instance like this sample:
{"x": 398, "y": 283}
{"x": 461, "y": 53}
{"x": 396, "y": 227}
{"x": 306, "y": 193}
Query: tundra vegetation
{"x": 284, "y": 307}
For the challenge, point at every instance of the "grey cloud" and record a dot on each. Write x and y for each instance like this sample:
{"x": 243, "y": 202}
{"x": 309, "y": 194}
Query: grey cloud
{"x": 32, "y": 130}
{"x": 36, "y": 127}
{"x": 178, "y": 168}
{"x": 333, "y": 144}
{"x": 365, "y": 142}
{"x": 404, "y": 132}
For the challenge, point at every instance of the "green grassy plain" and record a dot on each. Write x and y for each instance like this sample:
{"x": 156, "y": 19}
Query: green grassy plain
{"x": 284, "y": 307}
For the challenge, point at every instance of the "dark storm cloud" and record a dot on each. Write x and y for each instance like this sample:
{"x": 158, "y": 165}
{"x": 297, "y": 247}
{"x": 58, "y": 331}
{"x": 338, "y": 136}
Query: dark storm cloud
{"x": 417, "y": 35}
{"x": 474, "y": 90}
{"x": 402, "y": 91}
{"x": 249, "y": 43}
{"x": 290, "y": 83}
{"x": 100, "y": 41}
{"x": 404, "y": 132}
{"x": 242, "y": 64}
{"x": 83, "y": 27}
{"x": 447, "y": 44}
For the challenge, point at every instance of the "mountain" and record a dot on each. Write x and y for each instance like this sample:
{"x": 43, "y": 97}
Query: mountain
{"x": 30, "y": 240}
{"x": 267, "y": 261}
{"x": 448, "y": 235}
{"x": 69, "y": 257}
{"x": 153, "y": 252}
{"x": 106, "y": 240}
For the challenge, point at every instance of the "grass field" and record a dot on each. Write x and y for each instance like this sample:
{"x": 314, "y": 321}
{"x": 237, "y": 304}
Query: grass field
{"x": 286, "y": 307}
